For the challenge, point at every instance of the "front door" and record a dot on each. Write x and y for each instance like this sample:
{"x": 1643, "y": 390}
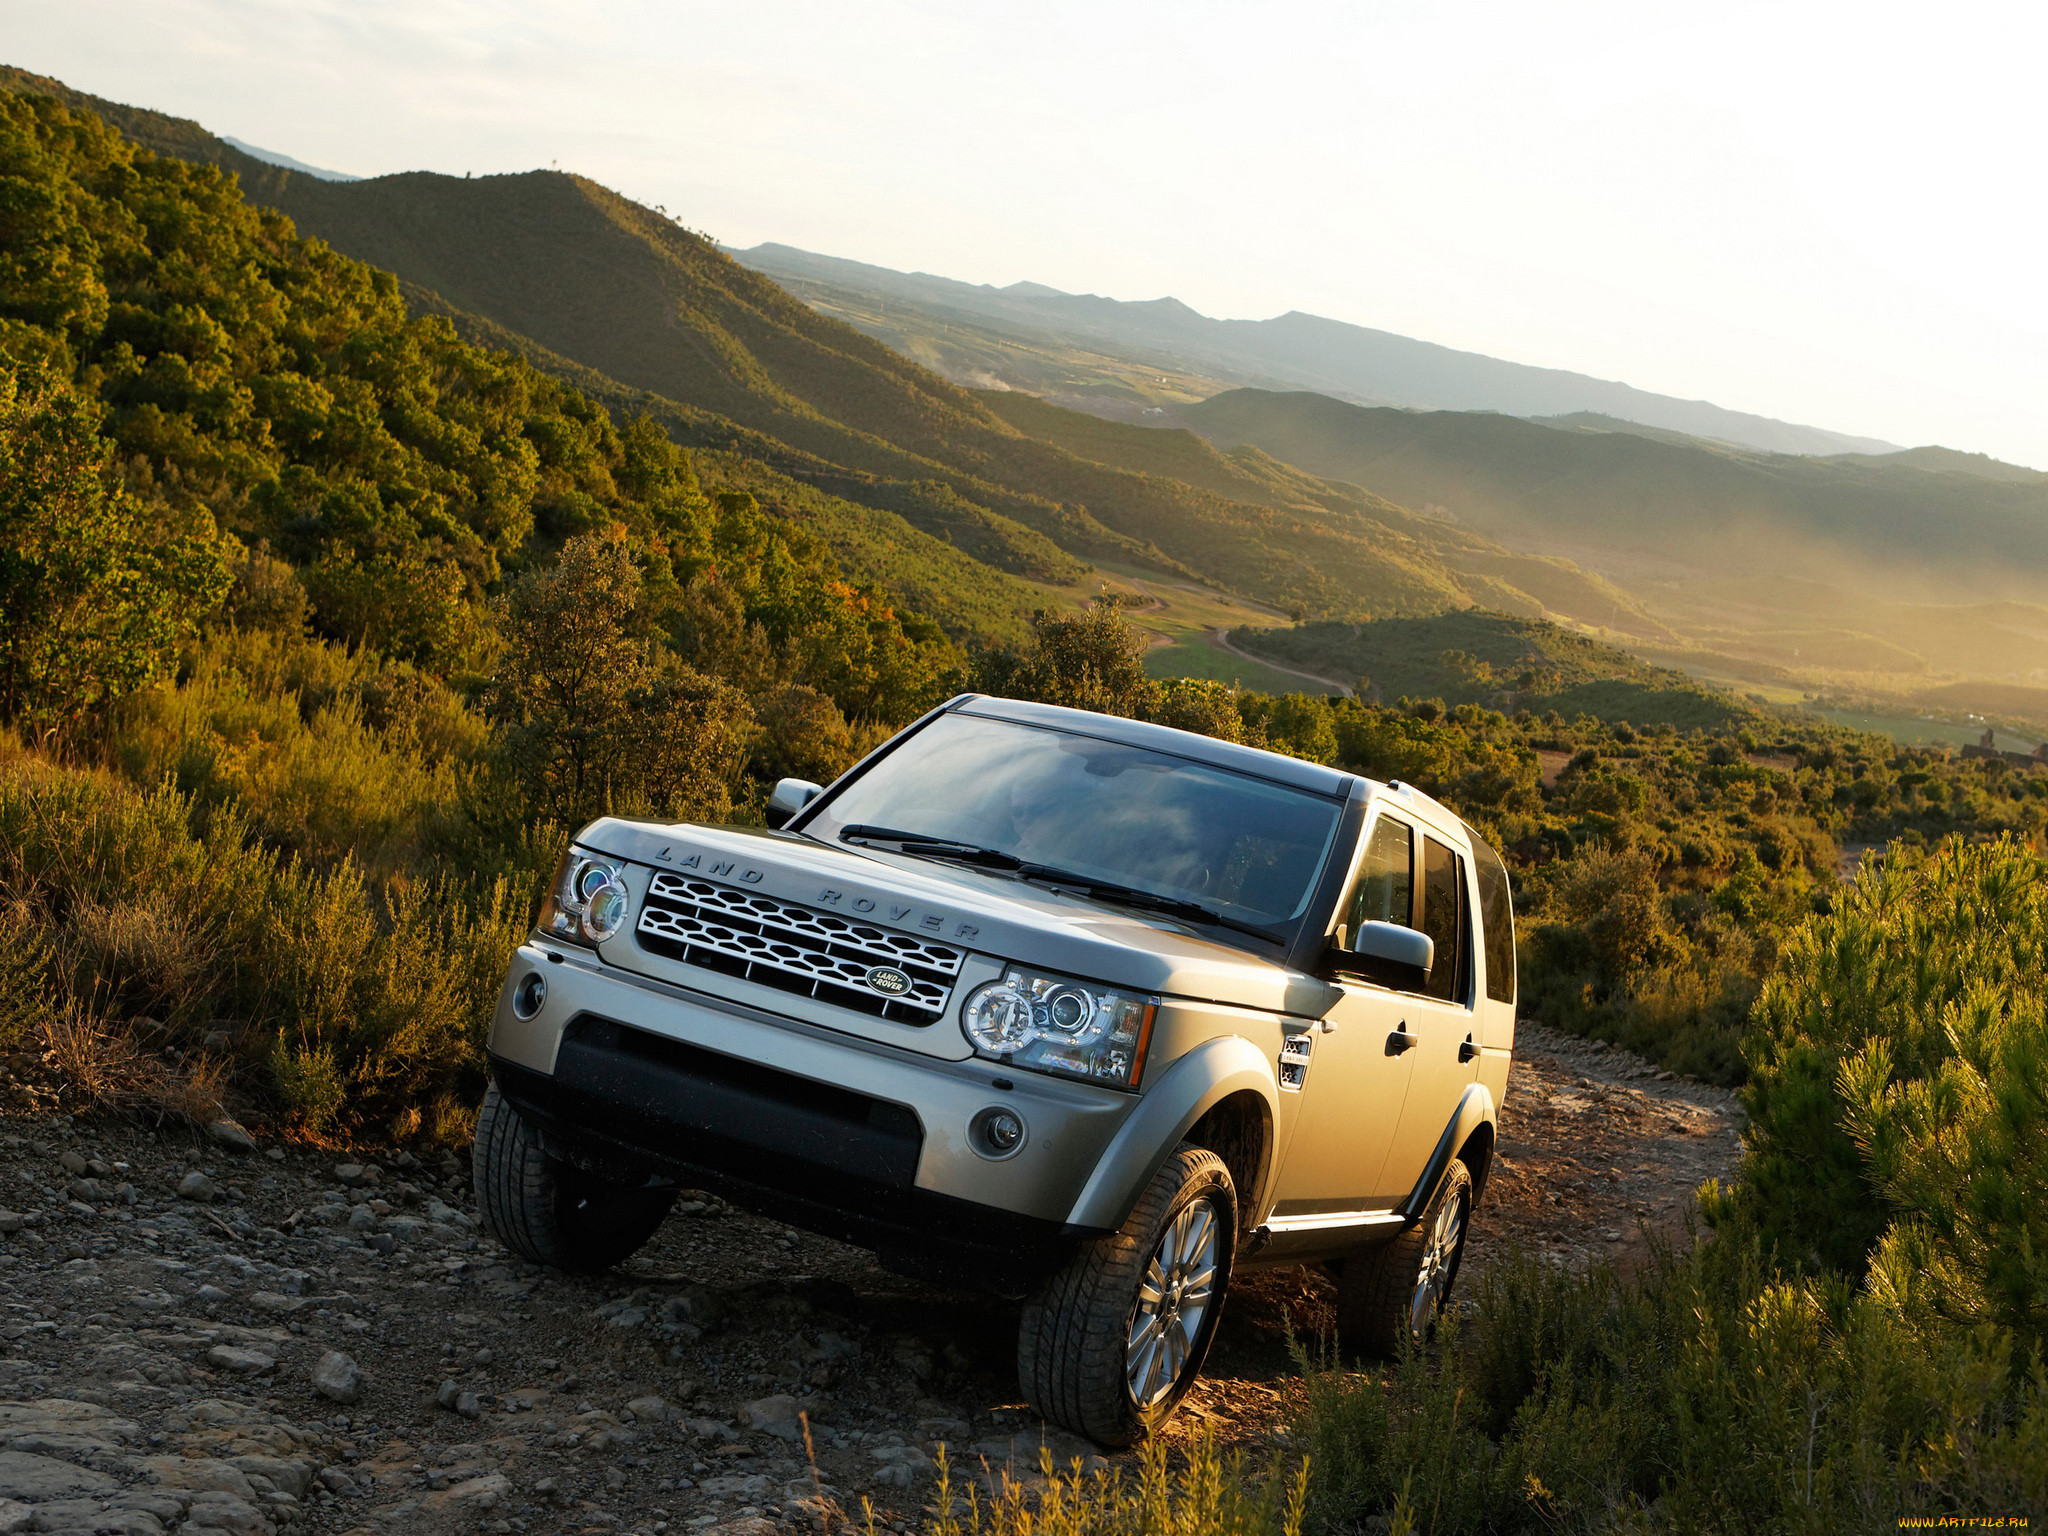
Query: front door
{"x": 1446, "y": 1053}
{"x": 1352, "y": 1089}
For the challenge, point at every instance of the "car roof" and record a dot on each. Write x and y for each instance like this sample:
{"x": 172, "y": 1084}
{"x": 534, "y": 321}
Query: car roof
{"x": 1276, "y": 766}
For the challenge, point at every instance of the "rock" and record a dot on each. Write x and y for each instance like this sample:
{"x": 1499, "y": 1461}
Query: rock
{"x": 710, "y": 1429}
{"x": 338, "y": 1378}
{"x": 291, "y": 1475}
{"x": 447, "y": 1393}
{"x": 197, "y": 1186}
{"x": 757, "y": 1486}
{"x": 276, "y": 1304}
{"x": 223, "y": 1512}
{"x": 10, "y": 1221}
{"x": 72, "y": 1162}
{"x": 362, "y": 1219}
{"x": 230, "y": 1133}
{"x": 209, "y": 1295}
{"x": 485, "y": 1492}
{"x": 745, "y": 1525}
{"x": 350, "y": 1174}
{"x": 32, "y": 1479}
{"x": 197, "y": 1474}
{"x": 774, "y": 1416}
{"x": 242, "y": 1362}
{"x": 652, "y": 1409}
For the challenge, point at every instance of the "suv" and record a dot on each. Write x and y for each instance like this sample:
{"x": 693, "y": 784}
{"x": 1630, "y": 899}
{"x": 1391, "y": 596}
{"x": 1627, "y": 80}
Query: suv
{"x": 1056, "y": 1005}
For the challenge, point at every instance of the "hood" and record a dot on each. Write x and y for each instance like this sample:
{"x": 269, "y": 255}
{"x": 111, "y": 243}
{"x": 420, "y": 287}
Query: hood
{"x": 982, "y": 911}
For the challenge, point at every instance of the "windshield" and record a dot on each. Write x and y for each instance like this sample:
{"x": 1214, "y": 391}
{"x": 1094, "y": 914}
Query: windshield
{"x": 1179, "y": 829}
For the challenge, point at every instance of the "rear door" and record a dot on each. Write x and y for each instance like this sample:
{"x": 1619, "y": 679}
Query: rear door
{"x": 1443, "y": 1017}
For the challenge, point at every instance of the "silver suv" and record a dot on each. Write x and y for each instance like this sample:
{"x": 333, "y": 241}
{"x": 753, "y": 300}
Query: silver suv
{"x": 1051, "y": 1004}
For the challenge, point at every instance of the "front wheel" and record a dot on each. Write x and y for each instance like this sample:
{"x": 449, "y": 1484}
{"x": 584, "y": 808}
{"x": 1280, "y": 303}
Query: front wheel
{"x": 552, "y": 1212}
{"x": 1396, "y": 1292}
{"x": 1112, "y": 1343}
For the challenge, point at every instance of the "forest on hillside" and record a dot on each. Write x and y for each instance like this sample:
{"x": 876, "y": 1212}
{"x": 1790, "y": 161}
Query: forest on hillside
{"x": 324, "y": 628}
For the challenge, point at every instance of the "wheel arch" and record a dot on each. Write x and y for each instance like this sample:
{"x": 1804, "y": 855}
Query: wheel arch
{"x": 1225, "y": 1083}
{"x": 1470, "y": 1129}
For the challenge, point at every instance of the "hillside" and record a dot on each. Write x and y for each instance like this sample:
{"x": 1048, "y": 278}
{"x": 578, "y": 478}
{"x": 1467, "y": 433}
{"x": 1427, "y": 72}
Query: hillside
{"x": 1767, "y": 564}
{"x": 967, "y": 328}
{"x": 568, "y": 271}
{"x": 1496, "y": 660}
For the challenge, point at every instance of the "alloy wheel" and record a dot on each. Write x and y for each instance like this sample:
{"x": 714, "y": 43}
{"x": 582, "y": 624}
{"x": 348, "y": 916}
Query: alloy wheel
{"x": 1439, "y": 1266}
{"x": 1174, "y": 1300}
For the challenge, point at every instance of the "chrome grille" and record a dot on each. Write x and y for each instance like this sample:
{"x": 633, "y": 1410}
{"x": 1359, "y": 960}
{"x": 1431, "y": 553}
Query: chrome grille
{"x": 818, "y": 954}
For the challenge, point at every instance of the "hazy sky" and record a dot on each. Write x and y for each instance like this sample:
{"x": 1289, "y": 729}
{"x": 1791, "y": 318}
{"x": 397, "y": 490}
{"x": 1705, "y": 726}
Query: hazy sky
{"x": 1832, "y": 214}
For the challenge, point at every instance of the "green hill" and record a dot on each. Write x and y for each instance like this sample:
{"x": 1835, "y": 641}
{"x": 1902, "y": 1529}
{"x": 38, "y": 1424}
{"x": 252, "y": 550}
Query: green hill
{"x": 572, "y": 274}
{"x": 1497, "y": 660}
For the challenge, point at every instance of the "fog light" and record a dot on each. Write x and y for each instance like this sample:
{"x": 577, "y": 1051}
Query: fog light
{"x": 529, "y": 995}
{"x": 997, "y": 1132}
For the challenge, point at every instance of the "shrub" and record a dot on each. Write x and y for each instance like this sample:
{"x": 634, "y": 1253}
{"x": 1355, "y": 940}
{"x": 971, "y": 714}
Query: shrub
{"x": 1905, "y": 1020}
{"x": 349, "y": 1001}
{"x": 95, "y": 590}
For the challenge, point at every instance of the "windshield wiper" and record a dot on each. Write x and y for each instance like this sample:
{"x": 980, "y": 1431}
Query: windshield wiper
{"x": 1150, "y": 901}
{"x": 932, "y": 847}
{"x": 928, "y": 846}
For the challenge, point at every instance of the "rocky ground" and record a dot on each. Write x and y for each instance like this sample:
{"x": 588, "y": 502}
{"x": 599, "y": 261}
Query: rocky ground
{"x": 199, "y": 1338}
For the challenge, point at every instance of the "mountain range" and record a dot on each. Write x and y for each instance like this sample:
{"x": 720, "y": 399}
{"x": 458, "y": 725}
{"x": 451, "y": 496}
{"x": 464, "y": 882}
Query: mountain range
{"x": 1894, "y": 572}
{"x": 1290, "y": 351}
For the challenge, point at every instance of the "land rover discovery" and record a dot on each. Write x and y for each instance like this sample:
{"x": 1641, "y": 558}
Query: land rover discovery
{"x": 1069, "y": 1008}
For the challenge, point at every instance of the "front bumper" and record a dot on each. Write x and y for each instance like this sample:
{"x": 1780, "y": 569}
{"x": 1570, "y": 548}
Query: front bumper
{"x": 848, "y": 1137}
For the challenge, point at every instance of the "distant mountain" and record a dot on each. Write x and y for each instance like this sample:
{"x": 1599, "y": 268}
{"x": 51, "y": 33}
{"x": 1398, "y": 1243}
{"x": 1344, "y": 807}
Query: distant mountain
{"x": 272, "y": 157}
{"x": 1714, "y": 506}
{"x": 1296, "y": 351}
{"x": 1901, "y": 564}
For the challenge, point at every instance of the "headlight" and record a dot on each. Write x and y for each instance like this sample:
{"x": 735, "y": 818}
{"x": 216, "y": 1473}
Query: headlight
{"x": 1051, "y": 1024}
{"x": 587, "y": 903}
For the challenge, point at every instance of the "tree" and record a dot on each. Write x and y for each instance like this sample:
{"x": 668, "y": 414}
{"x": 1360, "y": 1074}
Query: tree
{"x": 96, "y": 590}
{"x": 1094, "y": 660}
{"x": 598, "y": 717}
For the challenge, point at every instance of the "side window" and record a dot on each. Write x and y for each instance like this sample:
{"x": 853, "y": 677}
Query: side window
{"x": 1386, "y": 878}
{"x": 1447, "y": 922}
{"x": 1496, "y": 922}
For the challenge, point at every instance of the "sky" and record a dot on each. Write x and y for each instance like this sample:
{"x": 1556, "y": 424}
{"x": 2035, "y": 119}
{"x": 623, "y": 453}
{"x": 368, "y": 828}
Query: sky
{"x": 1831, "y": 214}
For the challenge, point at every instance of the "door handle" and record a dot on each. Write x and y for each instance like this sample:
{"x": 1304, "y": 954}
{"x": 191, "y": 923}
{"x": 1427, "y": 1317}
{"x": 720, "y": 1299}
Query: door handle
{"x": 1467, "y": 1051}
{"x": 1329, "y": 1026}
{"x": 1400, "y": 1040}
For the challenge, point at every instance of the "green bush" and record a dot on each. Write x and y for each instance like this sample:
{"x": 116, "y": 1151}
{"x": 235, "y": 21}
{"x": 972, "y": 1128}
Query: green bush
{"x": 96, "y": 590}
{"x": 1910, "y": 1014}
{"x": 356, "y": 1002}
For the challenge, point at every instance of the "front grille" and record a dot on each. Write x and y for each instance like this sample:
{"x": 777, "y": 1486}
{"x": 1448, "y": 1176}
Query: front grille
{"x": 817, "y": 954}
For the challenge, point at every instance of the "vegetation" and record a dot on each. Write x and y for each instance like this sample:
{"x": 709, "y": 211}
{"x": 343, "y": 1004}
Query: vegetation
{"x": 1498, "y": 660}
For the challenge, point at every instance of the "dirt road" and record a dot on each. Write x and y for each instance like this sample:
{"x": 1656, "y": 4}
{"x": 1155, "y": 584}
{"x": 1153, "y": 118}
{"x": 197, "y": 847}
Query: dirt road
{"x": 202, "y": 1341}
{"x": 1220, "y": 637}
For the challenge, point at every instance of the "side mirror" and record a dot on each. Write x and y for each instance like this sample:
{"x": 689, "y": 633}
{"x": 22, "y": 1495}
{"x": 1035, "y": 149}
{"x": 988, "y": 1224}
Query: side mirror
{"x": 787, "y": 798}
{"x": 1387, "y": 953}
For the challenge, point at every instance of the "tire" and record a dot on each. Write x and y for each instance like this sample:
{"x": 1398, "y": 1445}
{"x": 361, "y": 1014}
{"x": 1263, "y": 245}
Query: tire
{"x": 1078, "y": 1344}
{"x": 1390, "y": 1297}
{"x": 548, "y": 1211}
